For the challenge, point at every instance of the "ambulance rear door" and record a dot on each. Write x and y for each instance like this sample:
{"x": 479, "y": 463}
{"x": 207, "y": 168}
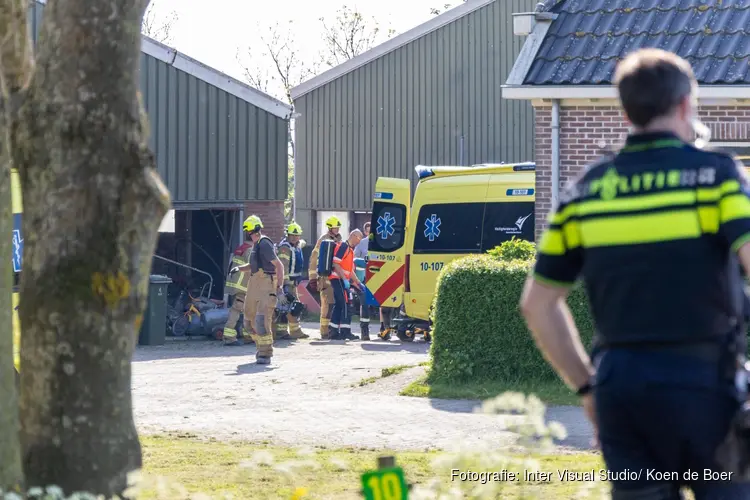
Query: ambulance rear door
{"x": 384, "y": 273}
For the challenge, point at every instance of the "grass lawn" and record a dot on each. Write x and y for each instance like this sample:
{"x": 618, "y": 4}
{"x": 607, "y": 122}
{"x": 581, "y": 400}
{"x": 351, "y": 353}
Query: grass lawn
{"x": 551, "y": 393}
{"x": 387, "y": 372}
{"x": 218, "y": 469}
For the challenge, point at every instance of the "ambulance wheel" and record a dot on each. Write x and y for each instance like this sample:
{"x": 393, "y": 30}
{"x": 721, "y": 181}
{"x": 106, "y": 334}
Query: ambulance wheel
{"x": 427, "y": 336}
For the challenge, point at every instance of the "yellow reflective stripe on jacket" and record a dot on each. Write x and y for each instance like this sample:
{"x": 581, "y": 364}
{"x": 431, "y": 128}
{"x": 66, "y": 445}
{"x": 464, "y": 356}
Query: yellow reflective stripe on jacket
{"x": 236, "y": 281}
{"x": 689, "y": 213}
{"x": 284, "y": 255}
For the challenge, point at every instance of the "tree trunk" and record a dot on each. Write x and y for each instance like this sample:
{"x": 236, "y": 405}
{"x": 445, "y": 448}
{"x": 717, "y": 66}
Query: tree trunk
{"x": 10, "y": 455}
{"x": 92, "y": 206}
{"x": 15, "y": 69}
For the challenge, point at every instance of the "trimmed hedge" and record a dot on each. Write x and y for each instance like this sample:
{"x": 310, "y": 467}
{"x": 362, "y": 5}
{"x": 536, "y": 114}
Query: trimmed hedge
{"x": 478, "y": 330}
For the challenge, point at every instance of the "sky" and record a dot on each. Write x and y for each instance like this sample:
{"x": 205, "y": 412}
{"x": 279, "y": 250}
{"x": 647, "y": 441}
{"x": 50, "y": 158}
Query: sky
{"x": 213, "y": 31}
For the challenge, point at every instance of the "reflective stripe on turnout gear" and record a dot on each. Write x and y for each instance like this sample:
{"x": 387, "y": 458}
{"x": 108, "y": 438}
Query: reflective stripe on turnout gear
{"x": 291, "y": 257}
{"x": 260, "y": 304}
{"x": 237, "y": 282}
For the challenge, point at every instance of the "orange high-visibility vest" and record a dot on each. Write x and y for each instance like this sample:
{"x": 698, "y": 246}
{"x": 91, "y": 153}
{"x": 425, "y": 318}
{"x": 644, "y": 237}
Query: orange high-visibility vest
{"x": 346, "y": 262}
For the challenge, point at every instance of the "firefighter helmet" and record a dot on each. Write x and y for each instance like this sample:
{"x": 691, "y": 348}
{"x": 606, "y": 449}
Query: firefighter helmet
{"x": 333, "y": 222}
{"x": 294, "y": 229}
{"x": 252, "y": 224}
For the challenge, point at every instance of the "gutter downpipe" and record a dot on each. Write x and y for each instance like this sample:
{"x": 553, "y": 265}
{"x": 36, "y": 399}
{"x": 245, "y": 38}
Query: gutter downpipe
{"x": 555, "y": 151}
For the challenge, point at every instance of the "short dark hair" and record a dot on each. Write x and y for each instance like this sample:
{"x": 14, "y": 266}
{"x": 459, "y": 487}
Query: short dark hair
{"x": 651, "y": 83}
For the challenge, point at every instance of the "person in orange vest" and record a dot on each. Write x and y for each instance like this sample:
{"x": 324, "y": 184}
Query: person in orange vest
{"x": 343, "y": 273}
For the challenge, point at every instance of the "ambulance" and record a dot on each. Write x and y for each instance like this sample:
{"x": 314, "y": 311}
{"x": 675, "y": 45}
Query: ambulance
{"x": 457, "y": 211}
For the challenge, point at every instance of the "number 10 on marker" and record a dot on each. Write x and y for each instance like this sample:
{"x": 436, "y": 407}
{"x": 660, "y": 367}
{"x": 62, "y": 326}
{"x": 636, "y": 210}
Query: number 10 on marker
{"x": 385, "y": 484}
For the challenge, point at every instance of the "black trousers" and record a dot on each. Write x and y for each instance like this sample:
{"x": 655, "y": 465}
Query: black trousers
{"x": 661, "y": 415}
{"x": 340, "y": 318}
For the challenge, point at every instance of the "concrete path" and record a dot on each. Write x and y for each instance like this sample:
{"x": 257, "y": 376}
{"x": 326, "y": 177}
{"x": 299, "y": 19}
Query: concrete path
{"x": 311, "y": 395}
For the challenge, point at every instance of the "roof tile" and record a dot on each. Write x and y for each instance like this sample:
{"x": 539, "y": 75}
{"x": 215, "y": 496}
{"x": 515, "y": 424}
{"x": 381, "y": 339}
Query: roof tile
{"x": 588, "y": 37}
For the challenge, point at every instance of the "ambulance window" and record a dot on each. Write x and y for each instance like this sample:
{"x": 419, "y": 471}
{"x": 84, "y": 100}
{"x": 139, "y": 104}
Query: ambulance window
{"x": 504, "y": 220}
{"x": 387, "y": 227}
{"x": 449, "y": 228}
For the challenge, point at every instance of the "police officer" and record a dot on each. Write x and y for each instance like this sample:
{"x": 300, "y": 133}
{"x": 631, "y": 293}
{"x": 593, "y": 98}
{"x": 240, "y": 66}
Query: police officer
{"x": 321, "y": 283}
{"x": 651, "y": 230}
{"x": 290, "y": 255}
{"x": 236, "y": 285}
{"x": 264, "y": 286}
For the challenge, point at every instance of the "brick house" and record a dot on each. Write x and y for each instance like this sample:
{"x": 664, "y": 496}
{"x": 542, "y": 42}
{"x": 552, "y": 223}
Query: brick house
{"x": 567, "y": 62}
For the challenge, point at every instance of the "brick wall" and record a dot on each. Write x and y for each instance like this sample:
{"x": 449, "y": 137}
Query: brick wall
{"x": 584, "y": 130}
{"x": 272, "y": 215}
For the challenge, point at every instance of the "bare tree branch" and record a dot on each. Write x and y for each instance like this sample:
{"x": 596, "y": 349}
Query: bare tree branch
{"x": 436, "y": 11}
{"x": 158, "y": 29}
{"x": 276, "y": 66}
{"x": 349, "y": 35}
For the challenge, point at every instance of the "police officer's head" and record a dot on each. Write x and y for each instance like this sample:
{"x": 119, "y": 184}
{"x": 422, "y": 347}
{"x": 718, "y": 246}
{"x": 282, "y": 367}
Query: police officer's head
{"x": 658, "y": 92}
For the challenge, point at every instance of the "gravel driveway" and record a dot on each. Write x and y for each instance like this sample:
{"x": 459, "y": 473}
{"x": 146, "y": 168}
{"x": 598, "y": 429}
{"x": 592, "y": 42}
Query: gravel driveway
{"x": 311, "y": 395}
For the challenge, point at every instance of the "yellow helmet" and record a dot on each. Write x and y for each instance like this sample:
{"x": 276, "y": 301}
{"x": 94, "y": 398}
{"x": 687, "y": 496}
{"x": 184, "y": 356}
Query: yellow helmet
{"x": 294, "y": 229}
{"x": 252, "y": 224}
{"x": 332, "y": 222}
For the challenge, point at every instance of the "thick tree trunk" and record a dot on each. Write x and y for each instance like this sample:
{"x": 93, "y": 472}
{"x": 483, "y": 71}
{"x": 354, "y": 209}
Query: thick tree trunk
{"x": 10, "y": 455}
{"x": 92, "y": 206}
{"x": 15, "y": 69}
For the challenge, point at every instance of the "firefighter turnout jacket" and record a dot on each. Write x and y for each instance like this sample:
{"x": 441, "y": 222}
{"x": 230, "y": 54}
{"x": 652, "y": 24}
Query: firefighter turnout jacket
{"x": 292, "y": 258}
{"x": 650, "y": 231}
{"x": 237, "y": 283}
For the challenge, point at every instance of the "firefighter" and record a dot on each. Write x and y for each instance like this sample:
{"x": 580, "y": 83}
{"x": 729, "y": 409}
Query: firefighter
{"x": 237, "y": 288}
{"x": 290, "y": 254}
{"x": 321, "y": 283}
{"x": 343, "y": 274}
{"x": 264, "y": 286}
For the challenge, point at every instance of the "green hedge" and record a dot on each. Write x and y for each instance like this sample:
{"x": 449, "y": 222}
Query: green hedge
{"x": 478, "y": 330}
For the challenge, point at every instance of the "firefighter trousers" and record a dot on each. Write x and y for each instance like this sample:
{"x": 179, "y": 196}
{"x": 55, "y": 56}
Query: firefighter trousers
{"x": 230, "y": 328}
{"x": 281, "y": 323}
{"x": 260, "y": 304}
{"x": 326, "y": 306}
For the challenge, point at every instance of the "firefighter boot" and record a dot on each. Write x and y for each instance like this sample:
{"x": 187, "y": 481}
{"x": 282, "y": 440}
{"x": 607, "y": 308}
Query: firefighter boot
{"x": 334, "y": 334}
{"x": 346, "y": 334}
{"x": 365, "y": 331}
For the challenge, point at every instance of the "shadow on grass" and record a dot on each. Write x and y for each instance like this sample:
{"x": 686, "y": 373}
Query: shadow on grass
{"x": 552, "y": 393}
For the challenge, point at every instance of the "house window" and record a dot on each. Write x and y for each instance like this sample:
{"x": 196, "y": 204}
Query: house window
{"x": 741, "y": 149}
